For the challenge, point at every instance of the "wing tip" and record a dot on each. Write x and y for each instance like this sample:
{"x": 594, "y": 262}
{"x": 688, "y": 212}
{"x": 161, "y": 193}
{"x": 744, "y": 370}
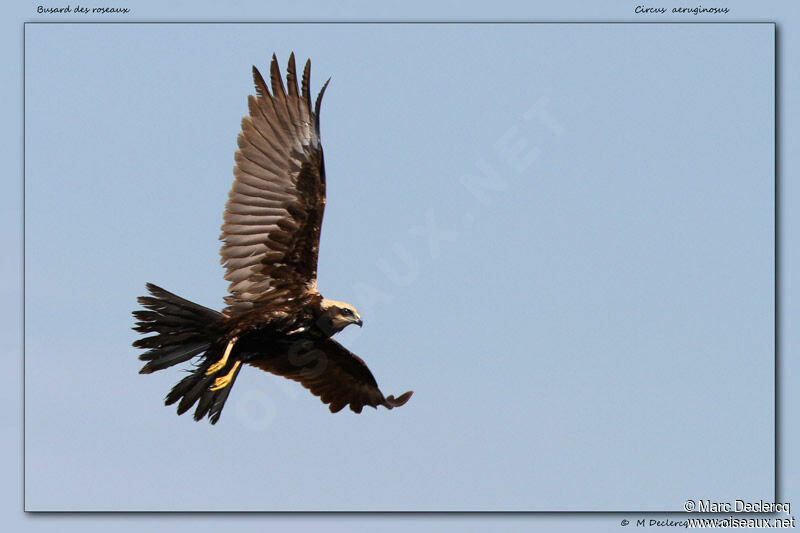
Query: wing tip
{"x": 317, "y": 105}
{"x": 336, "y": 407}
{"x": 261, "y": 86}
{"x": 392, "y": 402}
{"x": 291, "y": 76}
{"x": 306, "y": 84}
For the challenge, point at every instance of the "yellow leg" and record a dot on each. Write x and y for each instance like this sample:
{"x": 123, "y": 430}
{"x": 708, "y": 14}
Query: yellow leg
{"x": 224, "y": 381}
{"x": 219, "y": 365}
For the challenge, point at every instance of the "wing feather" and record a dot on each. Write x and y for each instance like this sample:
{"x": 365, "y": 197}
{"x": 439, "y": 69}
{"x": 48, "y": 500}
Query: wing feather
{"x": 328, "y": 370}
{"x": 265, "y": 122}
{"x": 279, "y": 101}
{"x": 273, "y": 216}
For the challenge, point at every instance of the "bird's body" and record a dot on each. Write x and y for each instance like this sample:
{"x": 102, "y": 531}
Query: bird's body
{"x": 275, "y": 318}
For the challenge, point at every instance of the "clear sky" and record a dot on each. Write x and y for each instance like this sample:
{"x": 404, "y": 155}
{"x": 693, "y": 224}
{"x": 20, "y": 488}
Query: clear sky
{"x": 559, "y": 235}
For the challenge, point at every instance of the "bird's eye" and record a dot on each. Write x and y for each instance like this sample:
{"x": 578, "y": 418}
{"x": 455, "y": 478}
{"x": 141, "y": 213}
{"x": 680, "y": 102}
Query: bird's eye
{"x": 347, "y": 312}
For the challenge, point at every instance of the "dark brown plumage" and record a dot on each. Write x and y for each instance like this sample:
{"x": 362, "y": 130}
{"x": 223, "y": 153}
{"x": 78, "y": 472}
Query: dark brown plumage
{"x": 275, "y": 318}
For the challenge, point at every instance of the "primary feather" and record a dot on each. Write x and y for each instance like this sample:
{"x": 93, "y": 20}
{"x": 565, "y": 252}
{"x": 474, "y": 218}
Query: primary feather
{"x": 275, "y": 318}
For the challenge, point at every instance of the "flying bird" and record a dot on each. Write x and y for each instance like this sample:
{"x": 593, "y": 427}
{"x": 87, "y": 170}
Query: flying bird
{"x": 275, "y": 319}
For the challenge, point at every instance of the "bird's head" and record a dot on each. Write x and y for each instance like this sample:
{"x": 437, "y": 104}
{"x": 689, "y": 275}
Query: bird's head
{"x": 337, "y": 315}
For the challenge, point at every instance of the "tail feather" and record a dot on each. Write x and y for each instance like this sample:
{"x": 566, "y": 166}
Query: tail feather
{"x": 161, "y": 358}
{"x": 217, "y": 401}
{"x": 200, "y": 386}
{"x": 156, "y": 319}
{"x": 167, "y": 340}
{"x": 196, "y": 388}
{"x": 181, "y": 388}
{"x": 203, "y": 406}
{"x": 168, "y": 303}
{"x": 181, "y": 333}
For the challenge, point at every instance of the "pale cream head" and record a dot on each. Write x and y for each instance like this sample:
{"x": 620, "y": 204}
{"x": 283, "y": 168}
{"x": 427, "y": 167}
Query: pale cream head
{"x": 338, "y": 315}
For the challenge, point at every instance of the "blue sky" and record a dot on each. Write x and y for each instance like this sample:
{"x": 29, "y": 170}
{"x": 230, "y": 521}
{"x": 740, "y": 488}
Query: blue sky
{"x": 559, "y": 250}
{"x": 601, "y": 318}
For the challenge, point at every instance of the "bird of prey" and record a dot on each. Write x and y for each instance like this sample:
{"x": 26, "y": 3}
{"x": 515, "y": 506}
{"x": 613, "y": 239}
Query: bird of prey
{"x": 275, "y": 318}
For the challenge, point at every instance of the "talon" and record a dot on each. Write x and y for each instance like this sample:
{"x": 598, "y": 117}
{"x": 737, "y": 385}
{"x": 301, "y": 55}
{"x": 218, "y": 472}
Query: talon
{"x": 224, "y": 381}
{"x": 219, "y": 365}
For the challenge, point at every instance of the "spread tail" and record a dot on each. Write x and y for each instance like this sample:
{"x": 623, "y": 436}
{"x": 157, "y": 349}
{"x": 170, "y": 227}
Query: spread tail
{"x": 182, "y": 332}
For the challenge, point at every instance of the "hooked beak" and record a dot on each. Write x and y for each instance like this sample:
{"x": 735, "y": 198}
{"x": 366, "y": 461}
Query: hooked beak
{"x": 358, "y": 322}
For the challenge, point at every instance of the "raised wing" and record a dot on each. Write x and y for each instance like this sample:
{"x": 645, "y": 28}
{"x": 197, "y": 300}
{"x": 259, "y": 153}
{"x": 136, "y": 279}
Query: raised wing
{"x": 274, "y": 212}
{"x": 332, "y": 372}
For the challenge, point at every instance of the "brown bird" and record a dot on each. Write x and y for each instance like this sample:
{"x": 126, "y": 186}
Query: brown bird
{"x": 275, "y": 318}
